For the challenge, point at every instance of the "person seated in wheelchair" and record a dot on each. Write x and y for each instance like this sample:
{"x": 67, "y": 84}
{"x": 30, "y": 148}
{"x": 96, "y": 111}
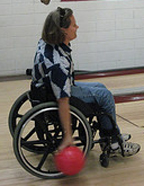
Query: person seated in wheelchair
{"x": 54, "y": 68}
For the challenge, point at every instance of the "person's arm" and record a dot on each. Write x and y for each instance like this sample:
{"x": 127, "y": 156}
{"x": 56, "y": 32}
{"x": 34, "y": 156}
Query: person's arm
{"x": 64, "y": 113}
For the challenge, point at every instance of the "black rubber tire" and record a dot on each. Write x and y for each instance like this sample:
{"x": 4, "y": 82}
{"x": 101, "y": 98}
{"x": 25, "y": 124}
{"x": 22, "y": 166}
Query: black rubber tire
{"x": 14, "y": 115}
{"x": 104, "y": 160}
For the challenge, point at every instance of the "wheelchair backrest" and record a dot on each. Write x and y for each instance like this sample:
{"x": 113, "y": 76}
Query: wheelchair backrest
{"x": 40, "y": 95}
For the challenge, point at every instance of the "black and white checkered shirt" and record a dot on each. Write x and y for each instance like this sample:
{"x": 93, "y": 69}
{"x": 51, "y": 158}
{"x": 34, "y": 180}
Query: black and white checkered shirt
{"x": 53, "y": 65}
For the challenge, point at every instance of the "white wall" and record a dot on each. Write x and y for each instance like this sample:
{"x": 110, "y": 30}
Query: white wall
{"x": 111, "y": 33}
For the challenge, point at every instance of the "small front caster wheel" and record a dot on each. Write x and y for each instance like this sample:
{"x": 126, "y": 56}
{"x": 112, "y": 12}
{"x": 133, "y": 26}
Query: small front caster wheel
{"x": 104, "y": 160}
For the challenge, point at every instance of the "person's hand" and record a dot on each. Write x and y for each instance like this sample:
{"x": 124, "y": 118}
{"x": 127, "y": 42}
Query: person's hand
{"x": 66, "y": 142}
{"x": 46, "y": 2}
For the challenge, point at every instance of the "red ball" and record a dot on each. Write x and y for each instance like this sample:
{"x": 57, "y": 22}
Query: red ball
{"x": 70, "y": 160}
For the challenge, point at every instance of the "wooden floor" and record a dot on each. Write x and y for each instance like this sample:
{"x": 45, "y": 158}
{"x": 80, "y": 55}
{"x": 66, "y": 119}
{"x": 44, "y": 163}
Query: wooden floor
{"x": 121, "y": 171}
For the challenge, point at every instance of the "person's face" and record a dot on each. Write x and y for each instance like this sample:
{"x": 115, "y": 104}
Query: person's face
{"x": 70, "y": 32}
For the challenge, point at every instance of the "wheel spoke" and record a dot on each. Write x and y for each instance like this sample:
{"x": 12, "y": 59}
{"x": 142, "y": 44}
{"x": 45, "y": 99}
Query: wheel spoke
{"x": 43, "y": 159}
{"x": 29, "y": 134}
{"x": 18, "y": 116}
{"x": 35, "y": 142}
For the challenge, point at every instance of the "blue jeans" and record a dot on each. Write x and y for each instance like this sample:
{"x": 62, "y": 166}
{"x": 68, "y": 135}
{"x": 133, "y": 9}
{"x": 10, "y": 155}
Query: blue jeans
{"x": 91, "y": 92}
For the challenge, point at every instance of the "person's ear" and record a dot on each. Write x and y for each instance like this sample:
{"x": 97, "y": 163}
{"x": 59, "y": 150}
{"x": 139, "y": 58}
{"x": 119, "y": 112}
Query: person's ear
{"x": 64, "y": 31}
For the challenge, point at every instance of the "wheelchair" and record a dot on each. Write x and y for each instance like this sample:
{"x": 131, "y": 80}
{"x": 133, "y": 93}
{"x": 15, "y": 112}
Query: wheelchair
{"x": 37, "y": 132}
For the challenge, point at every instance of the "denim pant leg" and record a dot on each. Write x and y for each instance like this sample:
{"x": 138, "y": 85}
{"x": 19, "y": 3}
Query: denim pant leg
{"x": 90, "y": 84}
{"x": 91, "y": 92}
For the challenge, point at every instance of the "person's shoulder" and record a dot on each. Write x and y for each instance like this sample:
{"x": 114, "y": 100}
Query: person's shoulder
{"x": 41, "y": 42}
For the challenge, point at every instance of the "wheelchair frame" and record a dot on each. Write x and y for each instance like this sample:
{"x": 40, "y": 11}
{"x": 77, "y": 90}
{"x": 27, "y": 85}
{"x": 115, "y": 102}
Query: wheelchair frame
{"x": 43, "y": 144}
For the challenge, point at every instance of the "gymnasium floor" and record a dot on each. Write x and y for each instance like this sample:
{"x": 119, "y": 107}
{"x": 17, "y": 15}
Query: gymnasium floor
{"x": 121, "y": 171}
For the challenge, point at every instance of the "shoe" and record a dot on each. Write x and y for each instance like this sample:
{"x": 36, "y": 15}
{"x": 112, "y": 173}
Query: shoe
{"x": 129, "y": 149}
{"x": 126, "y": 137}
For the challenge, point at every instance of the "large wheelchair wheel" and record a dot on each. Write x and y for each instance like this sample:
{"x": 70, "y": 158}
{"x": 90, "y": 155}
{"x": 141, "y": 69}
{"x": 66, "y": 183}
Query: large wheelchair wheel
{"x": 18, "y": 109}
{"x": 39, "y": 134}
